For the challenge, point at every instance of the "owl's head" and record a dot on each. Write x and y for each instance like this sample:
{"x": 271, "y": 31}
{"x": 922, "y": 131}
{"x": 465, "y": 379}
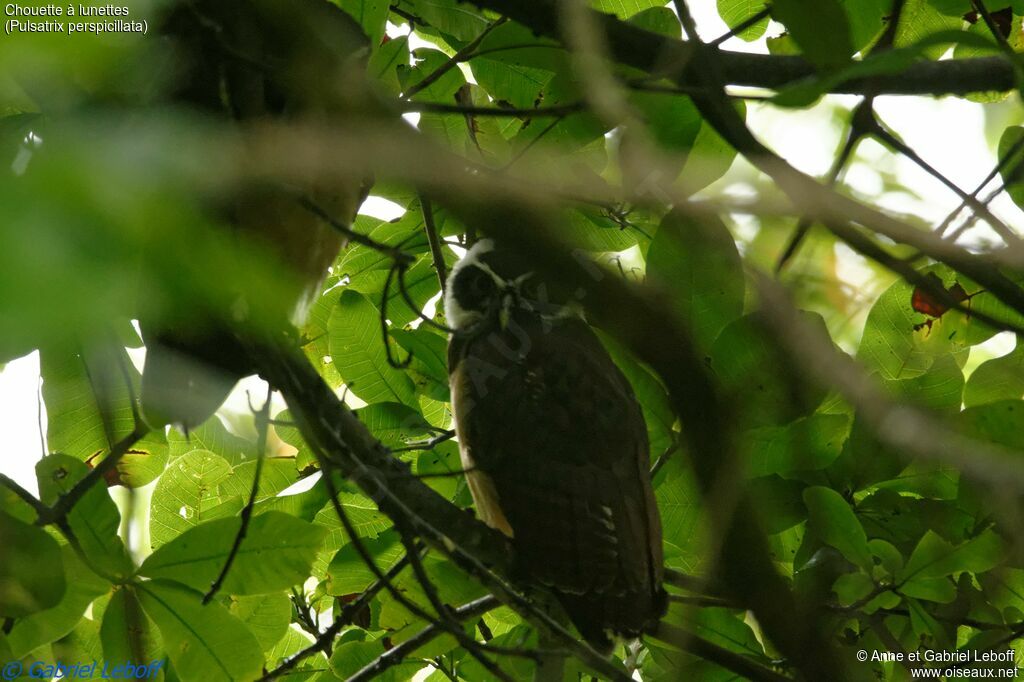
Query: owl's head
{"x": 483, "y": 287}
{"x": 489, "y": 283}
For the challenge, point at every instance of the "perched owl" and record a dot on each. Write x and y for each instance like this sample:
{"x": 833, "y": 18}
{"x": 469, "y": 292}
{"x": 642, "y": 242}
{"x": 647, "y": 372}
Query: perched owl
{"x": 554, "y": 444}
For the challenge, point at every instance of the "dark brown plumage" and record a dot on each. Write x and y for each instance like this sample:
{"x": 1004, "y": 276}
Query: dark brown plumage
{"x": 557, "y": 447}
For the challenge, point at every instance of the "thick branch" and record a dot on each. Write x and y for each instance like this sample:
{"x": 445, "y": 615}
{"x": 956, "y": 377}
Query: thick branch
{"x": 652, "y": 52}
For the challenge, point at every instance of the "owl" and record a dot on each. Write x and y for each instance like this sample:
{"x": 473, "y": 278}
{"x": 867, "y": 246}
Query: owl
{"x": 554, "y": 444}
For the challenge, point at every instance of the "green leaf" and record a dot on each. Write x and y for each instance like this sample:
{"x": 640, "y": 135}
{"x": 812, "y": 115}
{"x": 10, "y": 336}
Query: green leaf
{"x": 214, "y": 437}
{"x": 997, "y": 379}
{"x": 294, "y": 641}
{"x": 893, "y": 347}
{"x": 43, "y": 627}
{"x": 751, "y": 366}
{"x": 934, "y": 557}
{"x": 348, "y": 658}
{"x": 358, "y": 352}
{"x": 625, "y": 8}
{"x": 807, "y": 444}
{"x": 369, "y": 523}
{"x": 1011, "y": 148}
{"x": 920, "y": 20}
{"x": 278, "y": 474}
{"x": 867, "y": 20}
{"x": 852, "y": 587}
{"x": 735, "y": 12}
{"x": 386, "y": 59}
{"x": 348, "y": 573}
{"x": 277, "y": 552}
{"x": 456, "y": 19}
{"x": 187, "y": 494}
{"x": 889, "y": 557}
{"x": 205, "y": 643}
{"x": 698, "y": 261}
{"x": 89, "y": 409}
{"x": 94, "y": 519}
{"x": 265, "y": 615}
{"x": 682, "y": 516}
{"x": 429, "y": 367}
{"x": 394, "y": 424}
{"x": 126, "y": 632}
{"x": 427, "y": 63}
{"x": 515, "y": 66}
{"x": 31, "y": 574}
{"x": 821, "y": 29}
{"x": 1000, "y": 422}
{"x": 832, "y": 520}
{"x": 370, "y": 14}
{"x": 940, "y": 388}
{"x": 720, "y": 626}
{"x": 940, "y": 590}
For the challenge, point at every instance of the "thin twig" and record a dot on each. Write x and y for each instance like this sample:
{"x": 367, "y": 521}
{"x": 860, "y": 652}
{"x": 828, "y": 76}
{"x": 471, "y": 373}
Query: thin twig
{"x": 736, "y": 663}
{"x": 462, "y": 55}
{"x": 495, "y": 111}
{"x": 742, "y": 26}
{"x": 436, "y": 252}
{"x": 400, "y": 652}
{"x": 393, "y": 253}
{"x": 345, "y": 617}
{"x": 68, "y": 500}
{"x": 261, "y": 447}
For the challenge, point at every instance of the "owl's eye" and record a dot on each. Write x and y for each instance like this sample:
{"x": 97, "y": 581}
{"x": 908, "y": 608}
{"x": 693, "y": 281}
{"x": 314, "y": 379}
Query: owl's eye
{"x": 474, "y": 288}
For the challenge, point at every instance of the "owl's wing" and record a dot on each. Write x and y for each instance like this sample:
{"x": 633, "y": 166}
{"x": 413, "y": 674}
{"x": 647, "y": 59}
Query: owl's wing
{"x": 553, "y": 430}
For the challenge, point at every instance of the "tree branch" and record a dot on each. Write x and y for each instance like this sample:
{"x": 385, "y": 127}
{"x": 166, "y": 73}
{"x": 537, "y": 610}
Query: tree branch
{"x": 652, "y": 52}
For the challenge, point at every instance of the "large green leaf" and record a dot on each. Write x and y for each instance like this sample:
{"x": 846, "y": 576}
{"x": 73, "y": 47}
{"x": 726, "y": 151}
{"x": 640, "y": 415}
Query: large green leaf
{"x": 834, "y": 522}
{"x": 934, "y": 557}
{"x": 204, "y": 642}
{"x": 898, "y": 342}
{"x": 807, "y": 444}
{"x": 214, "y": 437}
{"x": 31, "y": 574}
{"x": 94, "y": 519}
{"x": 696, "y": 259}
{"x": 371, "y": 14}
{"x": 48, "y": 625}
{"x": 265, "y": 615}
{"x": 276, "y": 553}
{"x": 89, "y": 409}
{"x": 1011, "y": 158}
{"x": 126, "y": 632}
{"x": 429, "y": 368}
{"x": 821, "y": 29}
{"x": 394, "y": 424}
{"x": 348, "y": 574}
{"x": 735, "y": 12}
{"x": 997, "y": 379}
{"x": 189, "y": 493}
{"x": 451, "y": 18}
{"x": 920, "y": 19}
{"x": 357, "y": 350}
{"x": 753, "y": 369}
{"x": 625, "y": 8}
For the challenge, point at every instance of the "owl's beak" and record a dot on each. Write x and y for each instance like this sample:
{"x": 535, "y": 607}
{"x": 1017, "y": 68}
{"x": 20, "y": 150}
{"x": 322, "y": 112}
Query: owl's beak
{"x": 508, "y": 299}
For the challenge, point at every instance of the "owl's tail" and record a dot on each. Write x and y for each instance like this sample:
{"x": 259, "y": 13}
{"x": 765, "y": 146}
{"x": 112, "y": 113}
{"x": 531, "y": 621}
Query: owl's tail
{"x": 601, "y": 617}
